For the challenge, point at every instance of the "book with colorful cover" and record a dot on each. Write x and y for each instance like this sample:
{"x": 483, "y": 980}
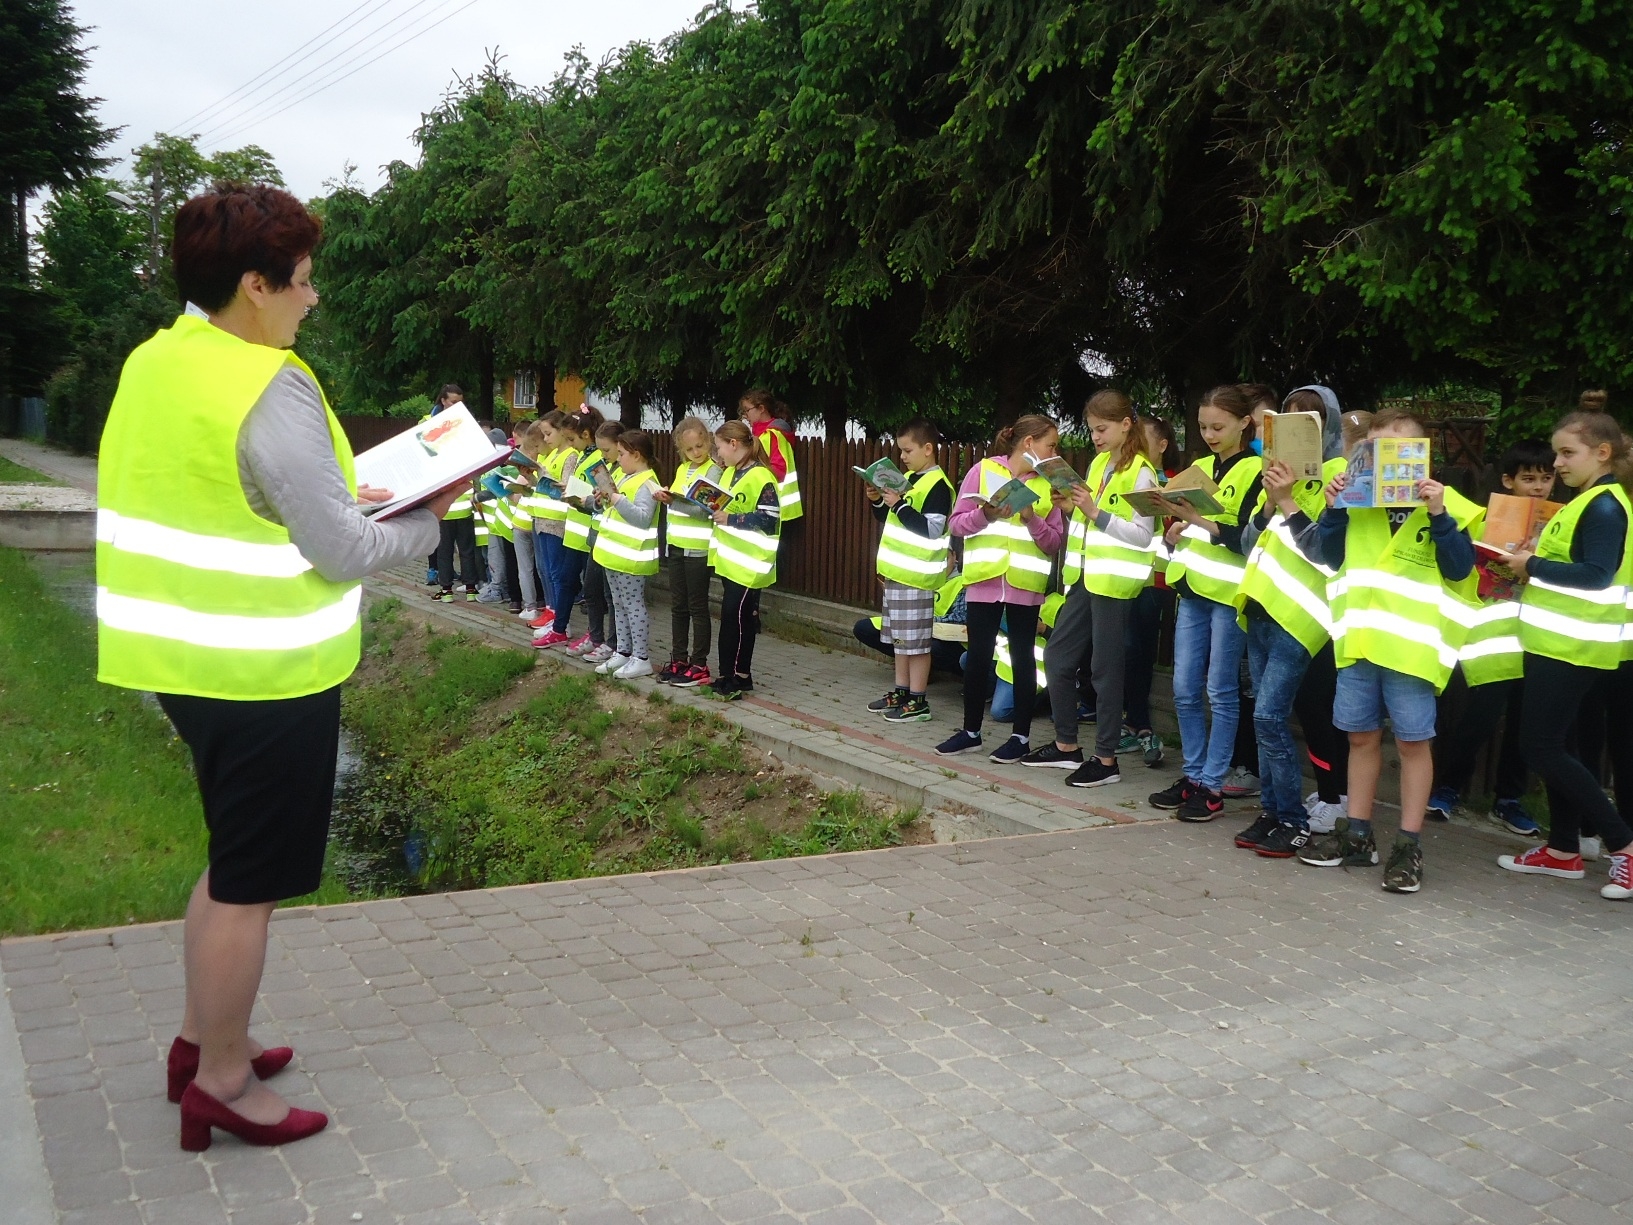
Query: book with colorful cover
{"x": 426, "y": 459}
{"x": 1010, "y": 498}
{"x": 884, "y": 476}
{"x": 1191, "y": 487}
{"x": 1062, "y": 477}
{"x": 1384, "y": 472}
{"x": 703, "y": 497}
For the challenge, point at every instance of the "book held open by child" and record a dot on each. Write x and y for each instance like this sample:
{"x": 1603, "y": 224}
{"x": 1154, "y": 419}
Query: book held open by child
{"x": 701, "y": 499}
{"x": 1385, "y": 472}
{"x": 883, "y": 476}
{"x": 1010, "y": 498}
{"x": 1295, "y": 439}
{"x": 1192, "y": 487}
{"x": 1062, "y": 477}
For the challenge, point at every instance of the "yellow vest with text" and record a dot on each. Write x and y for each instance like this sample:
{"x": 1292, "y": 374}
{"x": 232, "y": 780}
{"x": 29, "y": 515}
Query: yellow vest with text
{"x": 906, "y": 557}
{"x": 1209, "y": 569}
{"x": 1004, "y": 548}
{"x": 196, "y": 593}
{"x": 1108, "y": 567}
{"x": 742, "y": 554}
{"x": 620, "y": 545}
{"x": 1577, "y": 625}
{"x": 1290, "y": 587}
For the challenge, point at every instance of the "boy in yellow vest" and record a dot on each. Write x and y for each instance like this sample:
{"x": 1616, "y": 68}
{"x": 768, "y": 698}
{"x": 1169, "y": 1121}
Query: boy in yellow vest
{"x": 913, "y": 553}
{"x": 1401, "y": 572}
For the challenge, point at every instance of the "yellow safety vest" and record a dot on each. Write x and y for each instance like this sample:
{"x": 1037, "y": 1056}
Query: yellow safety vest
{"x": 1108, "y": 567}
{"x": 1209, "y": 569}
{"x": 1290, "y": 587}
{"x": 686, "y": 531}
{"x": 1577, "y": 625}
{"x": 906, "y": 557}
{"x": 619, "y": 544}
{"x": 738, "y": 553}
{"x": 1004, "y": 548}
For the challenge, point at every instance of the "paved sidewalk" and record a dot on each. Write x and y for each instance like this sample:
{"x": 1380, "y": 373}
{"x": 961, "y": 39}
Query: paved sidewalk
{"x": 1135, "y": 1024}
{"x": 77, "y": 470}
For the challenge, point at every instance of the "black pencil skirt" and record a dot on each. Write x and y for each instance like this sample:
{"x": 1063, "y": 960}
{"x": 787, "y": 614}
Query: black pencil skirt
{"x": 266, "y": 772}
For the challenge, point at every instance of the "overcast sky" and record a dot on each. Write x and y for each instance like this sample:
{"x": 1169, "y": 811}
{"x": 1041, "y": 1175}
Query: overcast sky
{"x": 157, "y": 63}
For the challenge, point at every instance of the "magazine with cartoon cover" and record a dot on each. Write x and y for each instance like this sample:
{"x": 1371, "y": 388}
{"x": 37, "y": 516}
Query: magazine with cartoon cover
{"x": 1384, "y": 472}
{"x": 884, "y": 476}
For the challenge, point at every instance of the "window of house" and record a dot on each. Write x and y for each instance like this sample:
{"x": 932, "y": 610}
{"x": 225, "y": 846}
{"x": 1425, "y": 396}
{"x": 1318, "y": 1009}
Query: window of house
{"x": 525, "y": 393}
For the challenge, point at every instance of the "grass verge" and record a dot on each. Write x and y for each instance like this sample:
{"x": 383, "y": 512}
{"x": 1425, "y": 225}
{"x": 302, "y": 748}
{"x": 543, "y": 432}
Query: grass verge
{"x": 16, "y": 474}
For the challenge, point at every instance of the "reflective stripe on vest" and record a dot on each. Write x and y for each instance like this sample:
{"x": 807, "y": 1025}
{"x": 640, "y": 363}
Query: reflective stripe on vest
{"x": 742, "y": 554}
{"x": 1290, "y": 587}
{"x": 1004, "y": 548}
{"x": 1573, "y": 624}
{"x": 579, "y": 524}
{"x": 197, "y": 594}
{"x": 688, "y": 531}
{"x": 622, "y": 547}
{"x": 1491, "y": 651}
{"x": 906, "y": 557}
{"x": 541, "y": 504}
{"x": 1107, "y": 566}
{"x": 1209, "y": 569}
{"x": 461, "y": 508}
{"x": 1393, "y": 608}
{"x": 788, "y": 488}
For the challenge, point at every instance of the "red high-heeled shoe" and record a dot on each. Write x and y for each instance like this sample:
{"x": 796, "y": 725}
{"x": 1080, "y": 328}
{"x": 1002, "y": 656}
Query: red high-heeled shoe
{"x": 183, "y": 1064}
{"x": 200, "y": 1112}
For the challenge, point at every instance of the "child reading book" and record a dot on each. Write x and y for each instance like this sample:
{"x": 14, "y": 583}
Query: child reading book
{"x": 689, "y": 530}
{"x": 549, "y": 511}
{"x": 912, "y": 563}
{"x": 600, "y": 642}
{"x": 1007, "y": 564}
{"x": 572, "y": 549}
{"x": 626, "y": 549}
{"x": 1494, "y": 672}
{"x": 743, "y": 552}
{"x": 1404, "y": 571}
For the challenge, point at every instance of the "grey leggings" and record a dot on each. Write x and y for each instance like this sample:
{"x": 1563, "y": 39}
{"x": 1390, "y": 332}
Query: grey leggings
{"x": 1094, "y": 623}
{"x": 628, "y": 593}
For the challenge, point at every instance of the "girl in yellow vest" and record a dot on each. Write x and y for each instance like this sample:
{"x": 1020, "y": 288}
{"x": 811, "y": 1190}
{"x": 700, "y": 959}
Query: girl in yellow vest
{"x": 743, "y": 552}
{"x": 1405, "y": 575}
{"x": 626, "y": 549}
{"x": 1110, "y": 551}
{"x": 598, "y": 645}
{"x": 912, "y": 564}
{"x": 1283, "y": 607}
{"x": 1205, "y": 571}
{"x": 1572, "y": 627}
{"x": 577, "y": 431}
{"x": 1007, "y": 562}
{"x": 687, "y": 542}
{"x": 522, "y": 503}
{"x": 549, "y": 511}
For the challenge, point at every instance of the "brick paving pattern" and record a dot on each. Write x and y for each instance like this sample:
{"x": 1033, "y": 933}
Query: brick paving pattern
{"x": 1135, "y": 1024}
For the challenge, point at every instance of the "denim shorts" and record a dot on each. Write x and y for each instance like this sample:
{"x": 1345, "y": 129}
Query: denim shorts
{"x": 1366, "y": 693}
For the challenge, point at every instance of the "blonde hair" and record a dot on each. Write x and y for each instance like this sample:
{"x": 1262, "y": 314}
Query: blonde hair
{"x": 1597, "y": 428}
{"x": 1356, "y": 426}
{"x": 739, "y": 432}
{"x": 689, "y": 425}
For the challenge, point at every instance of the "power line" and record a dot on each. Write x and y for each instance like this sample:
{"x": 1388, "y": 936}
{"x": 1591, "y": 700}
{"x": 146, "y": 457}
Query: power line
{"x": 341, "y": 60}
{"x": 254, "y": 82}
{"x": 343, "y": 75}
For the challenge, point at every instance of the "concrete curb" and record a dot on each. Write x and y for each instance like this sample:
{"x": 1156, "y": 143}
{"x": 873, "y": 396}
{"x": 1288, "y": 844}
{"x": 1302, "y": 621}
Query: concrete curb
{"x": 23, "y": 1175}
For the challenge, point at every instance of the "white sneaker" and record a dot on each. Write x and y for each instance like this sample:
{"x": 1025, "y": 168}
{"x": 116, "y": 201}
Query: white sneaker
{"x": 529, "y": 614}
{"x": 597, "y": 654}
{"x": 611, "y": 664}
{"x": 633, "y": 669}
{"x": 1592, "y": 848}
{"x": 1324, "y": 816}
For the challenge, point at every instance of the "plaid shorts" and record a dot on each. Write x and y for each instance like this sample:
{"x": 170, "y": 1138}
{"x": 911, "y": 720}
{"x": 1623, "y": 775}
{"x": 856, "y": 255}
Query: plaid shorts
{"x": 909, "y": 618}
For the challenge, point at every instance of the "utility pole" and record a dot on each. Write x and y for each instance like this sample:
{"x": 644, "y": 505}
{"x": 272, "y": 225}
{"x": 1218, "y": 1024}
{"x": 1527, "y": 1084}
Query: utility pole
{"x": 153, "y": 238}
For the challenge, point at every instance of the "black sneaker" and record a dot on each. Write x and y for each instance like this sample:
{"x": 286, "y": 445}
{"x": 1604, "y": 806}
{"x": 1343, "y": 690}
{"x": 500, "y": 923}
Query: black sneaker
{"x": 960, "y": 741}
{"x": 1284, "y": 842}
{"x": 1009, "y": 752}
{"x": 1404, "y": 871}
{"x": 1093, "y": 773}
{"x": 741, "y": 685}
{"x": 888, "y": 703}
{"x": 1253, "y": 836}
{"x": 1200, "y": 806}
{"x": 724, "y": 687}
{"x": 1172, "y": 797}
{"x": 443, "y": 597}
{"x": 1054, "y": 756}
{"x": 1341, "y": 848}
{"x": 913, "y": 710}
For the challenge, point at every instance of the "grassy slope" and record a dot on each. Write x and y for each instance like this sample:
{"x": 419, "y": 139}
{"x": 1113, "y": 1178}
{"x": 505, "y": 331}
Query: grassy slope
{"x": 101, "y": 818}
{"x": 16, "y": 474}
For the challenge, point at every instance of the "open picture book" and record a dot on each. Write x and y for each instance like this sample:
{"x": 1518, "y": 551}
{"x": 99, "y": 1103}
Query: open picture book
{"x": 1010, "y": 498}
{"x": 701, "y": 499}
{"x": 1385, "y": 472}
{"x": 884, "y": 476}
{"x": 1062, "y": 477}
{"x": 425, "y": 459}
{"x": 1192, "y": 487}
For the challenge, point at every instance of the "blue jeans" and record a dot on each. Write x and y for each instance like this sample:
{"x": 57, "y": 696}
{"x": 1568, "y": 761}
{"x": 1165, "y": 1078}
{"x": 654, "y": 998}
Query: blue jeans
{"x": 1276, "y": 660}
{"x": 566, "y": 568}
{"x": 1367, "y": 692}
{"x": 1207, "y": 659}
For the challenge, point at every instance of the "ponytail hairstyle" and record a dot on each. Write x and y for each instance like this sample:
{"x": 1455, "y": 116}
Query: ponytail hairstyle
{"x": 582, "y": 423}
{"x": 638, "y": 441}
{"x": 1171, "y": 451}
{"x": 1031, "y": 425}
{"x": 1230, "y": 398}
{"x": 739, "y": 432}
{"x": 1594, "y": 427}
{"x": 1111, "y": 405}
{"x": 1594, "y": 400}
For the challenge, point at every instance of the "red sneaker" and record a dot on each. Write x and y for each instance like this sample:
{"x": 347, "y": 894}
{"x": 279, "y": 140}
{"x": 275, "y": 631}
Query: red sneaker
{"x": 1538, "y": 862}
{"x": 692, "y": 677}
{"x": 549, "y": 638}
{"x": 580, "y": 644}
{"x": 545, "y": 618}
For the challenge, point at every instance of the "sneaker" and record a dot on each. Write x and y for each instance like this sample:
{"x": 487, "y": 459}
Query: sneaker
{"x": 431, "y": 578}
{"x": 470, "y": 595}
{"x": 1130, "y": 743}
{"x": 1620, "y": 888}
{"x": 548, "y": 638}
{"x": 1092, "y": 773}
{"x": 1442, "y": 803}
{"x": 723, "y": 687}
{"x": 633, "y": 669}
{"x": 597, "y": 653}
{"x": 609, "y": 663}
{"x": 489, "y": 595}
{"x": 1240, "y": 782}
{"x": 528, "y": 614}
{"x": 1009, "y": 752}
{"x": 580, "y": 644}
{"x": 1151, "y": 749}
{"x": 960, "y": 741}
{"x": 443, "y": 597}
{"x": 1592, "y": 848}
{"x": 547, "y": 616}
{"x": 671, "y": 670}
{"x": 1324, "y": 815}
{"x": 1341, "y": 849}
{"x": 691, "y": 676}
{"x": 1404, "y": 871}
{"x": 1172, "y": 797}
{"x": 888, "y": 703}
{"x": 914, "y": 710}
{"x": 1251, "y": 837}
{"x": 742, "y": 685}
{"x": 1537, "y": 862}
{"x": 1201, "y": 805}
{"x": 1284, "y": 842}
{"x": 1512, "y": 817}
{"x": 1050, "y": 755}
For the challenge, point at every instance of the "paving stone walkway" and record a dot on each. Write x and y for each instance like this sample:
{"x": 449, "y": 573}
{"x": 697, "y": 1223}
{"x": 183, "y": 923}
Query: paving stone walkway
{"x": 1135, "y": 1024}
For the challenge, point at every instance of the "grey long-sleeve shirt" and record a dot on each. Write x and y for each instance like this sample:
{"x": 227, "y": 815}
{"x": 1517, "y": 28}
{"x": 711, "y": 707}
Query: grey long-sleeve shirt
{"x": 287, "y": 466}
